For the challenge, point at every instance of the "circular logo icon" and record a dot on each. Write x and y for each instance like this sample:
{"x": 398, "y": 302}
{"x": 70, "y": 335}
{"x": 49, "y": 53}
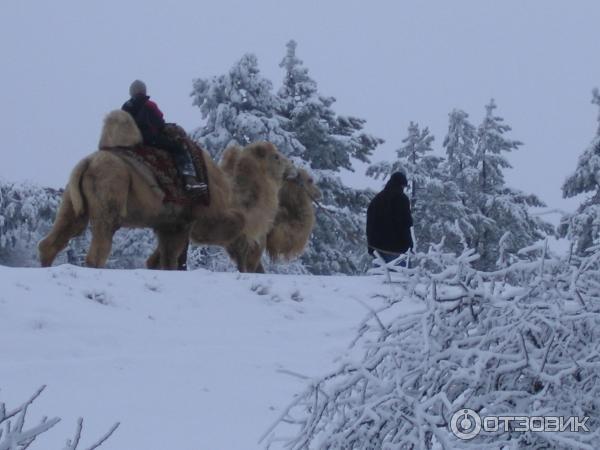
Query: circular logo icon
{"x": 465, "y": 424}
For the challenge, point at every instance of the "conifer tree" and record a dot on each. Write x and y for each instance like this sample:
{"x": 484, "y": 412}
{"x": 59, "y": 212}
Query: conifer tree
{"x": 460, "y": 148}
{"x": 240, "y": 107}
{"x": 330, "y": 140}
{"x": 26, "y": 215}
{"x": 500, "y": 207}
{"x": 464, "y": 198}
{"x": 583, "y": 226}
{"x": 297, "y": 87}
{"x": 435, "y": 198}
{"x": 489, "y": 156}
{"x": 330, "y": 143}
{"x": 459, "y": 172}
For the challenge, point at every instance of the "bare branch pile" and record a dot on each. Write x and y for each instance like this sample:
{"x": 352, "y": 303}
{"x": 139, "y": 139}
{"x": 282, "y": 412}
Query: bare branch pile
{"x": 521, "y": 341}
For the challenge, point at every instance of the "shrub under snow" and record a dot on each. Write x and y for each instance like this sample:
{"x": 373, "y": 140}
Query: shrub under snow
{"x": 15, "y": 435}
{"x": 522, "y": 341}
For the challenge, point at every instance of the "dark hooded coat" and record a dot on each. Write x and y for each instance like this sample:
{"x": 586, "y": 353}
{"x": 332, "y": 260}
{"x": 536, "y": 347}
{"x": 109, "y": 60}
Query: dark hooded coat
{"x": 148, "y": 117}
{"x": 389, "y": 218}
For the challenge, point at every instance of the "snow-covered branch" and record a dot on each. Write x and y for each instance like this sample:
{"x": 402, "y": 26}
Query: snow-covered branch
{"x": 15, "y": 436}
{"x": 521, "y": 341}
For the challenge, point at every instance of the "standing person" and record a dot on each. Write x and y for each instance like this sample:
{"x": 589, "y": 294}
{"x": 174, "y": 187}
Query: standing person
{"x": 389, "y": 220}
{"x": 150, "y": 121}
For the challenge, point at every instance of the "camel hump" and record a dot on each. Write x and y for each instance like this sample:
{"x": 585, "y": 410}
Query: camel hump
{"x": 119, "y": 130}
{"x": 229, "y": 159}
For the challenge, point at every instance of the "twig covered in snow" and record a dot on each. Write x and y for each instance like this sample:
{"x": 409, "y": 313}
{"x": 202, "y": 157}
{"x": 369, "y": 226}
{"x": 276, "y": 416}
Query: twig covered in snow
{"x": 74, "y": 443}
{"x": 521, "y": 341}
{"x": 14, "y": 436}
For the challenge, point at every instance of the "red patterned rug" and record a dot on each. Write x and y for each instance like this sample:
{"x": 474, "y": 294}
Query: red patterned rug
{"x": 162, "y": 165}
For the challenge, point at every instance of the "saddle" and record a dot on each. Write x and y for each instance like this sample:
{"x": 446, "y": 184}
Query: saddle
{"x": 161, "y": 165}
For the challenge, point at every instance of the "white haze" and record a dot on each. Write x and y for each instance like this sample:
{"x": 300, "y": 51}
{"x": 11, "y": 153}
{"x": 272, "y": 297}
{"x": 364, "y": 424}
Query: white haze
{"x": 66, "y": 63}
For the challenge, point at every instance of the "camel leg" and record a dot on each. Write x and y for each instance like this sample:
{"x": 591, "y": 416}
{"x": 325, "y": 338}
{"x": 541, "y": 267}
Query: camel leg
{"x": 253, "y": 256}
{"x": 99, "y": 251}
{"x": 218, "y": 229}
{"x": 66, "y": 226}
{"x": 258, "y": 268}
{"x": 182, "y": 259}
{"x": 106, "y": 193}
{"x": 153, "y": 261}
{"x": 171, "y": 243}
{"x": 238, "y": 251}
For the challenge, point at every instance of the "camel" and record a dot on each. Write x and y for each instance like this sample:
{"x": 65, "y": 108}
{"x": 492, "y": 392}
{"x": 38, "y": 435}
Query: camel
{"x": 295, "y": 218}
{"x": 291, "y": 229}
{"x": 272, "y": 208}
{"x": 109, "y": 191}
{"x": 285, "y": 235}
{"x": 258, "y": 199}
{"x": 256, "y": 183}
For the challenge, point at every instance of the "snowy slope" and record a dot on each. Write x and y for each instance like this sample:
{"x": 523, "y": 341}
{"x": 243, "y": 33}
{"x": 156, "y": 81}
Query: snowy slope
{"x": 194, "y": 360}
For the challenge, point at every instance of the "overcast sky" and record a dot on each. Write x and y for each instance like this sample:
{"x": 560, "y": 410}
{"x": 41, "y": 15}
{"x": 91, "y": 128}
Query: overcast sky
{"x": 65, "y": 63}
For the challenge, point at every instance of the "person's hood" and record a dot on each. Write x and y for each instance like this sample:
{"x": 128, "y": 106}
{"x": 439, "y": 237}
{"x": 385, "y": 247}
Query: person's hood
{"x": 397, "y": 181}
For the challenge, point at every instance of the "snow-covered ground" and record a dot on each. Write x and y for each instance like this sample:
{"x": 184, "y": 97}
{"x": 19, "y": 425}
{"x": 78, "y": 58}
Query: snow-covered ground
{"x": 194, "y": 360}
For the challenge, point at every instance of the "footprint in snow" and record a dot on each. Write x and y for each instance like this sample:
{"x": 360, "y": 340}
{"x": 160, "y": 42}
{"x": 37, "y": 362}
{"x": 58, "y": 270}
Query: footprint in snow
{"x": 98, "y": 297}
{"x": 153, "y": 287}
{"x": 260, "y": 289}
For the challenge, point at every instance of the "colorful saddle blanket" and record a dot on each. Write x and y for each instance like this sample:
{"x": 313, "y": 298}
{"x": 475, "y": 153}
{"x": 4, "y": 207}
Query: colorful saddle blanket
{"x": 162, "y": 165}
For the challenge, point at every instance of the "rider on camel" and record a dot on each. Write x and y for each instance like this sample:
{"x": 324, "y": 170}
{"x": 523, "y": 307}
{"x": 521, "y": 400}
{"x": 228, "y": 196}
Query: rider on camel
{"x": 151, "y": 123}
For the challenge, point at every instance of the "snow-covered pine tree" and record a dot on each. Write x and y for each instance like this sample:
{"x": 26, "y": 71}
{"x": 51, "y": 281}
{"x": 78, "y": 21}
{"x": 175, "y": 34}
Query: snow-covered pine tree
{"x": 460, "y": 175}
{"x": 298, "y": 87}
{"x": 501, "y": 207}
{"x": 131, "y": 248}
{"x": 489, "y": 156}
{"x": 237, "y": 107}
{"x": 210, "y": 258}
{"x": 334, "y": 140}
{"x": 330, "y": 142}
{"x": 583, "y": 226}
{"x": 460, "y": 148}
{"x": 240, "y": 107}
{"x": 26, "y": 214}
{"x": 437, "y": 210}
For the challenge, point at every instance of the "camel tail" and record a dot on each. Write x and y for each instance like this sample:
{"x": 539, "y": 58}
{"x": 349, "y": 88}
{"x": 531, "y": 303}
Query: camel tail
{"x": 74, "y": 186}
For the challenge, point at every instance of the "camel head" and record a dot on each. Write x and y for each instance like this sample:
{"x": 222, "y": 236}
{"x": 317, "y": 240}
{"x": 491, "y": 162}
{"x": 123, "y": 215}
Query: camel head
{"x": 275, "y": 164}
{"x": 306, "y": 182}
